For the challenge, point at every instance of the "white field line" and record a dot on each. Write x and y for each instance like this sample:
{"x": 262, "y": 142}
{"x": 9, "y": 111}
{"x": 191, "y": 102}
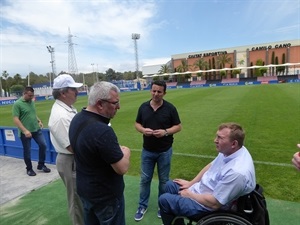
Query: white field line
{"x": 212, "y": 157}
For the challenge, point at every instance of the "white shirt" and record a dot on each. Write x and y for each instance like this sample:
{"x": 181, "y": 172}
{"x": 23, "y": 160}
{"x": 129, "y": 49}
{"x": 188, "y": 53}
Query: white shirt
{"x": 59, "y": 123}
{"x": 228, "y": 177}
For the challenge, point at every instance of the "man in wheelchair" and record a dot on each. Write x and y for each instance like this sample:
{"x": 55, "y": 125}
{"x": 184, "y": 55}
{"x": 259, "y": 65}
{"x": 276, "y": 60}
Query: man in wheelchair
{"x": 230, "y": 175}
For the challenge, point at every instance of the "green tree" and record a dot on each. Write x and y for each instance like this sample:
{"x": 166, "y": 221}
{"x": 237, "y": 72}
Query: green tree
{"x": 164, "y": 69}
{"x": 17, "y": 89}
{"x": 183, "y": 67}
{"x": 236, "y": 72}
{"x": 201, "y": 64}
{"x": 18, "y": 79}
{"x": 214, "y": 74}
{"x": 110, "y": 74}
{"x": 222, "y": 60}
{"x": 280, "y": 69}
{"x": 241, "y": 62}
{"x": 129, "y": 75}
{"x": 260, "y": 71}
{"x": 273, "y": 62}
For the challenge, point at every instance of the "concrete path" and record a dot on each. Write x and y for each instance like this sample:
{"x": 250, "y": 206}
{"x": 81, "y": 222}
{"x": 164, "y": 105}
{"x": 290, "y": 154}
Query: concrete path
{"x": 15, "y": 183}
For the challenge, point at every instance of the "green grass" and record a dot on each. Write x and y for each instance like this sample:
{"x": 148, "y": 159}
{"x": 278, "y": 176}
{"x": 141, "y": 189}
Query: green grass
{"x": 40, "y": 207}
{"x": 270, "y": 114}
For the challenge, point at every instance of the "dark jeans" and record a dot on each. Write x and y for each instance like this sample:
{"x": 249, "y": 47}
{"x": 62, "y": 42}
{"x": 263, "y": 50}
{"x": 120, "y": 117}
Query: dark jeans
{"x": 26, "y": 142}
{"x": 148, "y": 162}
{"x": 97, "y": 212}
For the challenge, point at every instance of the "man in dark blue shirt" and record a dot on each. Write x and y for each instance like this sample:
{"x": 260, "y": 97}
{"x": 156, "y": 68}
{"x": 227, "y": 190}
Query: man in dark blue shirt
{"x": 100, "y": 161}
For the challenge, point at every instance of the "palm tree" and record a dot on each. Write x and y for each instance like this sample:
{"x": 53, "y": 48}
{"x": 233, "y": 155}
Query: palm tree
{"x": 164, "y": 69}
{"x": 183, "y": 67}
{"x": 201, "y": 64}
{"x": 222, "y": 60}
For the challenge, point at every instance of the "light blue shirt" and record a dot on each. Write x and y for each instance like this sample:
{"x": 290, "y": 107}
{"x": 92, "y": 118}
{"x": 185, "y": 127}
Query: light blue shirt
{"x": 228, "y": 178}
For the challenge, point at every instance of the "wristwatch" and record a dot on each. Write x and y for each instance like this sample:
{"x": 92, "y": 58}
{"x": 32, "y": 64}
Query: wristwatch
{"x": 166, "y": 134}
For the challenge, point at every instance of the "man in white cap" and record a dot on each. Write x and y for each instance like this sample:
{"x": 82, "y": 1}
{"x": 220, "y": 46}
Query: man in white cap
{"x": 62, "y": 112}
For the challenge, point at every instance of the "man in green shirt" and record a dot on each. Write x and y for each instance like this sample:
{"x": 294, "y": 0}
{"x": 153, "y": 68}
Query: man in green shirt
{"x": 25, "y": 118}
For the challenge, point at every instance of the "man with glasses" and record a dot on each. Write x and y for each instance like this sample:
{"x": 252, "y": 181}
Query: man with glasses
{"x": 100, "y": 160}
{"x": 158, "y": 121}
{"x": 29, "y": 126}
{"x": 65, "y": 94}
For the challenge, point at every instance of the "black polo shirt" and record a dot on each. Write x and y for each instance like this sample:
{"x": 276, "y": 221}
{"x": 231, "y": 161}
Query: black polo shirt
{"x": 164, "y": 117}
{"x": 96, "y": 148}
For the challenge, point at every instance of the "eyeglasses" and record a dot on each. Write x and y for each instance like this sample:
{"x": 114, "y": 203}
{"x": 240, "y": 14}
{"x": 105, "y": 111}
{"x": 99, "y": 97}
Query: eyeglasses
{"x": 117, "y": 103}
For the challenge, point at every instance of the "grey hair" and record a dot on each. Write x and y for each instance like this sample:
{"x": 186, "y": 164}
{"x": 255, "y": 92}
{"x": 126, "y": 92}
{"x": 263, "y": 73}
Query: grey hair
{"x": 56, "y": 93}
{"x": 101, "y": 90}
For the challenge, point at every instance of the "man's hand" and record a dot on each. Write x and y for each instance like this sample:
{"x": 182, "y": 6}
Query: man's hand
{"x": 27, "y": 134}
{"x": 148, "y": 132}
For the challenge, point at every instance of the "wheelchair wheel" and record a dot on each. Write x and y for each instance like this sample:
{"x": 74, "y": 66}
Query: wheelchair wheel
{"x": 223, "y": 219}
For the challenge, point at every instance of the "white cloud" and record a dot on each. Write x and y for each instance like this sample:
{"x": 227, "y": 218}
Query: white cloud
{"x": 102, "y": 33}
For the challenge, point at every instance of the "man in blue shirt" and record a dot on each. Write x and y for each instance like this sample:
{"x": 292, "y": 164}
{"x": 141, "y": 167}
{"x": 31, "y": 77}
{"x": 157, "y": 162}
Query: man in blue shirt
{"x": 230, "y": 175}
{"x": 100, "y": 160}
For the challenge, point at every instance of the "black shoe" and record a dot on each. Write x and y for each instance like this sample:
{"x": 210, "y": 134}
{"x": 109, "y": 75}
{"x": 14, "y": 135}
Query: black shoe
{"x": 31, "y": 173}
{"x": 44, "y": 168}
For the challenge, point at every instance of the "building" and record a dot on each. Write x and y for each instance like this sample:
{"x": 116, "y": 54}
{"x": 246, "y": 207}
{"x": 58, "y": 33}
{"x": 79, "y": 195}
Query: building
{"x": 267, "y": 59}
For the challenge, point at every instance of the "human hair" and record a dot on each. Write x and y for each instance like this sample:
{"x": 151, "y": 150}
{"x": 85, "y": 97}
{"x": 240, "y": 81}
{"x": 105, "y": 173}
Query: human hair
{"x": 236, "y": 132}
{"x": 101, "y": 90}
{"x": 28, "y": 88}
{"x": 160, "y": 83}
{"x": 56, "y": 93}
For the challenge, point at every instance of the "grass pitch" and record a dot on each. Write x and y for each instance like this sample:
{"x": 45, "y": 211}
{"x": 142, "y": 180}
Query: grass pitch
{"x": 270, "y": 115}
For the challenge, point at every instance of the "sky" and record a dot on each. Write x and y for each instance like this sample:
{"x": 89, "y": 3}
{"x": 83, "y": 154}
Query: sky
{"x": 101, "y": 31}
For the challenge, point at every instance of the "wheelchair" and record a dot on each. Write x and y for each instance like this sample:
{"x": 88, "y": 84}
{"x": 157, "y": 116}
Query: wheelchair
{"x": 250, "y": 209}
{"x": 214, "y": 218}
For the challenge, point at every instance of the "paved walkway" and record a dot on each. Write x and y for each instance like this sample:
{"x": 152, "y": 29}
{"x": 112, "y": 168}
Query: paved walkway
{"x": 15, "y": 183}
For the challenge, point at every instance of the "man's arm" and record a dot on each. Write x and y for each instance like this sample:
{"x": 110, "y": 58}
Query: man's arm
{"x": 200, "y": 174}
{"x": 121, "y": 167}
{"x": 40, "y": 122}
{"x": 174, "y": 129}
{"x": 69, "y": 148}
{"x": 207, "y": 200}
{"x": 20, "y": 125}
{"x": 184, "y": 184}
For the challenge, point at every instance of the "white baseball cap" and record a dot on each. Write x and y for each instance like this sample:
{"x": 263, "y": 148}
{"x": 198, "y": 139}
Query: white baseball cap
{"x": 65, "y": 80}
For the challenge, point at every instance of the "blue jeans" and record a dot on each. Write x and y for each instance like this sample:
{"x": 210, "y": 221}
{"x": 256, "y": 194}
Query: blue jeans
{"x": 172, "y": 204}
{"x": 149, "y": 159}
{"x": 26, "y": 142}
{"x": 97, "y": 212}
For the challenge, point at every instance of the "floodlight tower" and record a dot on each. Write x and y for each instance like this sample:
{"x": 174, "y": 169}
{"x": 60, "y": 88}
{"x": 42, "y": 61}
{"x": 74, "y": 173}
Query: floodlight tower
{"x": 72, "y": 65}
{"x": 135, "y": 37}
{"x": 51, "y": 51}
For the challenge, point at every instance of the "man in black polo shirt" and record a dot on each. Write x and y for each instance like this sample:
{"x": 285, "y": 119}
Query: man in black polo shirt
{"x": 100, "y": 161}
{"x": 157, "y": 120}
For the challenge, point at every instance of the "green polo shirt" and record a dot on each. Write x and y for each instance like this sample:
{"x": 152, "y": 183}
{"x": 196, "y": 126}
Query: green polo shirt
{"x": 26, "y": 113}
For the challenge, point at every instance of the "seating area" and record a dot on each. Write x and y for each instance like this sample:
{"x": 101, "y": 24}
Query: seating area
{"x": 171, "y": 84}
{"x": 230, "y": 80}
{"x": 198, "y": 82}
{"x": 267, "y": 79}
{"x": 233, "y": 81}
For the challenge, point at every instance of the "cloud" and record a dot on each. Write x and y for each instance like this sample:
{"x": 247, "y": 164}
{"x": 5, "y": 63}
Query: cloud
{"x": 101, "y": 33}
